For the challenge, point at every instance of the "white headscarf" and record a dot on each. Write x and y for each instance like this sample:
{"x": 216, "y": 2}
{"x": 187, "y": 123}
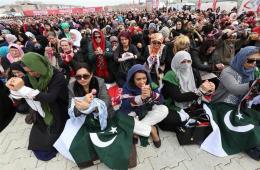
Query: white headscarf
{"x": 185, "y": 75}
{"x": 76, "y": 42}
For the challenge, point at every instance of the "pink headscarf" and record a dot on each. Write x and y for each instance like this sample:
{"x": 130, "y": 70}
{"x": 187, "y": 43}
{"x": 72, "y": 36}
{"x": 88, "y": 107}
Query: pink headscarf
{"x": 10, "y": 57}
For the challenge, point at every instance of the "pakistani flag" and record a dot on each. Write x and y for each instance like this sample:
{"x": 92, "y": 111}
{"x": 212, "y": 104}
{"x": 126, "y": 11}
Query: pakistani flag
{"x": 233, "y": 132}
{"x": 81, "y": 143}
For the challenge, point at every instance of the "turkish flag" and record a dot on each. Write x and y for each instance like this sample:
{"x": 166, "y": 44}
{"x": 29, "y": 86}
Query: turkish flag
{"x": 214, "y": 5}
{"x": 199, "y": 4}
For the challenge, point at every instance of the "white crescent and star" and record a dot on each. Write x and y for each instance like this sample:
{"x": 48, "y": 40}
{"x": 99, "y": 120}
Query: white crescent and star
{"x": 229, "y": 125}
{"x": 96, "y": 141}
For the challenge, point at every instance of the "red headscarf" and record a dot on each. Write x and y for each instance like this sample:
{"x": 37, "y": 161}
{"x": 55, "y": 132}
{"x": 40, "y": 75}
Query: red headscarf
{"x": 102, "y": 45}
{"x": 101, "y": 62}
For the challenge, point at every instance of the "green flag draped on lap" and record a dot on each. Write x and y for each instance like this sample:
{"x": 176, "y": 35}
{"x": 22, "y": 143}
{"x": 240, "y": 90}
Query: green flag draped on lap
{"x": 80, "y": 143}
{"x": 233, "y": 132}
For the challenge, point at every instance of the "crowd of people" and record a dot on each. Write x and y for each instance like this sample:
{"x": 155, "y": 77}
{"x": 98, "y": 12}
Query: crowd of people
{"x": 56, "y": 67}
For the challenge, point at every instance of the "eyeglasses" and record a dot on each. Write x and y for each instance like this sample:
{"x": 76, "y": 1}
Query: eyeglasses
{"x": 156, "y": 42}
{"x": 83, "y": 76}
{"x": 251, "y": 61}
{"x": 97, "y": 37}
{"x": 185, "y": 61}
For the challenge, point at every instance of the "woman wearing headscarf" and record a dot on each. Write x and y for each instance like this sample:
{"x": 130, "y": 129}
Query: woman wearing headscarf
{"x": 15, "y": 54}
{"x": 181, "y": 91}
{"x": 142, "y": 100}
{"x": 10, "y": 38}
{"x": 101, "y": 56}
{"x": 65, "y": 31}
{"x": 154, "y": 59}
{"x": 236, "y": 79}
{"x": 66, "y": 59}
{"x": 125, "y": 56}
{"x": 75, "y": 37}
{"x": 45, "y": 91}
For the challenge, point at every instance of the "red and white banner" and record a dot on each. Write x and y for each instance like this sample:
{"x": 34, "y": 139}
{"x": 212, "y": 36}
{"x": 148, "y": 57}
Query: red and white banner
{"x": 199, "y": 4}
{"x": 62, "y": 11}
{"x": 214, "y": 5}
{"x": 250, "y": 5}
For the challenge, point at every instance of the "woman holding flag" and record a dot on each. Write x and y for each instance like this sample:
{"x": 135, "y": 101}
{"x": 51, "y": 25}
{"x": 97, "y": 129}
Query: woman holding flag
{"x": 92, "y": 132}
{"x": 236, "y": 79}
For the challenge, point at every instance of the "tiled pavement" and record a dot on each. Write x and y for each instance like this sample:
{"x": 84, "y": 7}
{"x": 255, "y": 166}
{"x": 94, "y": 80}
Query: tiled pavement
{"x": 15, "y": 156}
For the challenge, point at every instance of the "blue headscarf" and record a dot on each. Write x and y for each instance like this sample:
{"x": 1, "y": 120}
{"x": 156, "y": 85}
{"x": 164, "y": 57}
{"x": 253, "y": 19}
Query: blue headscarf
{"x": 4, "y": 51}
{"x": 239, "y": 60}
{"x": 131, "y": 72}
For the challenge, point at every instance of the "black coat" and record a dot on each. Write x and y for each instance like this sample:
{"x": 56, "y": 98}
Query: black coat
{"x": 7, "y": 110}
{"x": 42, "y": 137}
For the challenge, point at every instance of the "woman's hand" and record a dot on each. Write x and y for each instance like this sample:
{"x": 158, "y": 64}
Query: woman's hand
{"x": 15, "y": 83}
{"x": 81, "y": 104}
{"x": 207, "y": 87}
{"x": 146, "y": 92}
{"x": 220, "y": 66}
{"x": 139, "y": 45}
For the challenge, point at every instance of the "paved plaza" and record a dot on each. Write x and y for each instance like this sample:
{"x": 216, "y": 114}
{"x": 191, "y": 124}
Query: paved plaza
{"x": 15, "y": 156}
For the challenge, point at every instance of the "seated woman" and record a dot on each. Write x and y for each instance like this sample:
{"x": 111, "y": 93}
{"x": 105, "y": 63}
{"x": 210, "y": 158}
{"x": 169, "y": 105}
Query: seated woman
{"x": 90, "y": 113}
{"x": 180, "y": 43}
{"x": 16, "y": 70}
{"x": 15, "y": 54}
{"x": 142, "y": 100}
{"x": 125, "y": 56}
{"x": 236, "y": 79}
{"x": 180, "y": 91}
{"x": 155, "y": 62}
{"x": 7, "y": 109}
{"x": 66, "y": 59}
{"x": 203, "y": 63}
{"x": 45, "y": 90}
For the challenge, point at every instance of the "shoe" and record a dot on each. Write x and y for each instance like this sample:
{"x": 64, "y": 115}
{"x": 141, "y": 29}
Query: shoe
{"x": 158, "y": 143}
{"x": 135, "y": 140}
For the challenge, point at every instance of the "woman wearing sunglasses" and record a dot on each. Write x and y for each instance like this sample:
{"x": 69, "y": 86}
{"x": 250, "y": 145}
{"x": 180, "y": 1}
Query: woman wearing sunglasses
{"x": 182, "y": 91}
{"x": 101, "y": 56}
{"x": 84, "y": 84}
{"x": 154, "y": 60}
{"x": 236, "y": 79}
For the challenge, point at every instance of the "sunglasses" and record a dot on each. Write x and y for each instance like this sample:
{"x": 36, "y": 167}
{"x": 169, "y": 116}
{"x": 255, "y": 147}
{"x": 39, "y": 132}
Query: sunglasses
{"x": 156, "y": 42}
{"x": 97, "y": 37}
{"x": 83, "y": 76}
{"x": 250, "y": 61}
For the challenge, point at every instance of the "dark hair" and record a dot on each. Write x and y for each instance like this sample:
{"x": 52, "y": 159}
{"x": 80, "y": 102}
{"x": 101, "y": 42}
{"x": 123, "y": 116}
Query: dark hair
{"x": 87, "y": 66}
{"x": 206, "y": 45}
{"x": 77, "y": 88}
{"x": 84, "y": 45}
{"x": 51, "y": 33}
{"x": 125, "y": 34}
{"x": 207, "y": 28}
{"x": 132, "y": 81}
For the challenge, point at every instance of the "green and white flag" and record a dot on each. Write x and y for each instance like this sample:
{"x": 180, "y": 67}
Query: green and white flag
{"x": 79, "y": 143}
{"x": 233, "y": 132}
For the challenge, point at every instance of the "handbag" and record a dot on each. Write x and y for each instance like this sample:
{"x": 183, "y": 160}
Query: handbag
{"x": 194, "y": 131}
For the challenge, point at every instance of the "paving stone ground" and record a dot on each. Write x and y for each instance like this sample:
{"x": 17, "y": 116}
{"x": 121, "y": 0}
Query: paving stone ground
{"x": 15, "y": 156}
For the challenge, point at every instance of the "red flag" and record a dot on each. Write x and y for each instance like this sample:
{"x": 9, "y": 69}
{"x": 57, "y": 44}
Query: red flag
{"x": 199, "y": 4}
{"x": 214, "y": 5}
